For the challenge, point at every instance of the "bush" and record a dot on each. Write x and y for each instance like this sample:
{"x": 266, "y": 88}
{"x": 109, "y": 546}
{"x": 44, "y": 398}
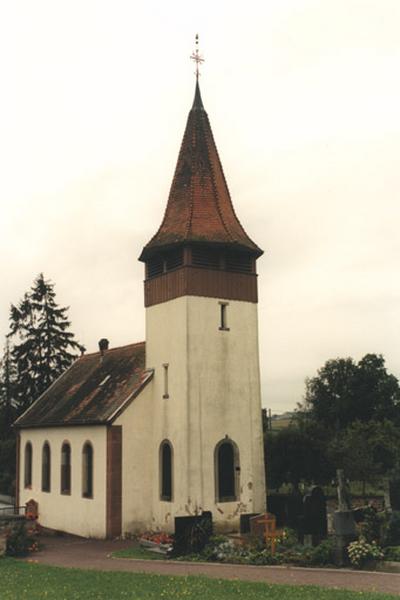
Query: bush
{"x": 370, "y": 528}
{"x": 361, "y": 552}
{"x": 288, "y": 539}
{"x": 20, "y": 541}
{"x": 324, "y": 553}
{"x": 392, "y": 535}
{"x": 223, "y": 549}
{"x": 219, "y": 548}
{"x": 297, "y": 555}
{"x": 392, "y": 553}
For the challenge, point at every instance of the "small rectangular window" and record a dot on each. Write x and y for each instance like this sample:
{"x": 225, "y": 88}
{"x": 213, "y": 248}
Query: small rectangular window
{"x": 224, "y": 316}
{"x": 165, "y": 394}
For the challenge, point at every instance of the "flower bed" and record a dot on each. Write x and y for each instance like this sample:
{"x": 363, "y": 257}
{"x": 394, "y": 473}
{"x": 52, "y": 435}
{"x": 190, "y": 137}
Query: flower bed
{"x": 255, "y": 552}
{"x": 361, "y": 553}
{"x": 156, "y": 541}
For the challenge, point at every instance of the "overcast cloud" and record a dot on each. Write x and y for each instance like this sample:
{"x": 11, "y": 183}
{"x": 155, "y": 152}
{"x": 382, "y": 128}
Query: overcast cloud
{"x": 303, "y": 98}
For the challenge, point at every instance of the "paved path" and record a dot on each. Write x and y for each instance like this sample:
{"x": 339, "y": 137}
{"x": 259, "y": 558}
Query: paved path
{"x": 69, "y": 551}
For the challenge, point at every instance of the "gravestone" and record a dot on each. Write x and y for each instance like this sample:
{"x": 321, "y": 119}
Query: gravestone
{"x": 314, "y": 523}
{"x": 245, "y": 522}
{"x": 287, "y": 508}
{"x": 343, "y": 519}
{"x": 192, "y": 533}
{"x": 394, "y": 494}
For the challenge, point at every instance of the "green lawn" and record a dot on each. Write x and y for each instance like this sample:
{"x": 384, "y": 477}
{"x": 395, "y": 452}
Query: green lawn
{"x": 138, "y": 552}
{"x": 22, "y": 581}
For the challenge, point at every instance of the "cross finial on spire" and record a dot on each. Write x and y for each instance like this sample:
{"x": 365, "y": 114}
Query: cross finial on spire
{"x": 196, "y": 57}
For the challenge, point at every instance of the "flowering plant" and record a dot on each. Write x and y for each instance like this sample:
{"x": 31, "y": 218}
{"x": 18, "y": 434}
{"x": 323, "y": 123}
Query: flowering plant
{"x": 158, "y": 537}
{"x": 361, "y": 552}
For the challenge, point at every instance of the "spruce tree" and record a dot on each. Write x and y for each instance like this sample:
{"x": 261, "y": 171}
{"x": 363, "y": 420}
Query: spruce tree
{"x": 43, "y": 345}
{"x": 7, "y": 388}
{"x": 24, "y": 352}
{"x": 7, "y": 415}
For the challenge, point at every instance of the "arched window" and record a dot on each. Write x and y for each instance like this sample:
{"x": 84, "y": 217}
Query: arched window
{"x": 46, "y": 467}
{"x": 87, "y": 470}
{"x": 166, "y": 471}
{"x": 66, "y": 468}
{"x": 227, "y": 470}
{"x": 28, "y": 465}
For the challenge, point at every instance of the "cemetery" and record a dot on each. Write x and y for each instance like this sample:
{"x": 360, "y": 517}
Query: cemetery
{"x": 321, "y": 534}
{"x": 363, "y": 537}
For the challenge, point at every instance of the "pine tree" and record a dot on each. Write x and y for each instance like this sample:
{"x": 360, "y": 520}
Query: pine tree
{"x": 7, "y": 389}
{"x": 7, "y": 415}
{"x": 24, "y": 352}
{"x": 43, "y": 346}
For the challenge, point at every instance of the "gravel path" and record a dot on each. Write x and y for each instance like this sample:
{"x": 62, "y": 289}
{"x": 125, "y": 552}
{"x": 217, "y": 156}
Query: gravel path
{"x": 69, "y": 551}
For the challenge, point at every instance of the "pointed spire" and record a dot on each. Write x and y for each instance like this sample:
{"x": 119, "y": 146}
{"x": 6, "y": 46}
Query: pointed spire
{"x": 199, "y": 206}
{"x": 197, "y": 102}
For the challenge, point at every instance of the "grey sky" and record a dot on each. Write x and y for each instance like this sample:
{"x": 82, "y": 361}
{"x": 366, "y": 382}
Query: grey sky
{"x": 303, "y": 98}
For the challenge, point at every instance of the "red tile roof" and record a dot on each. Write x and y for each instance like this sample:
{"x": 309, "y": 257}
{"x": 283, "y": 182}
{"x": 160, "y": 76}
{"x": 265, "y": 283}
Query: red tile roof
{"x": 199, "y": 206}
{"x": 93, "y": 391}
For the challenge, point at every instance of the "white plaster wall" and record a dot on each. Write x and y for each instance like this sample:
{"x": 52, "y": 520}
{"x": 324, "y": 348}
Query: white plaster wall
{"x": 137, "y": 463}
{"x": 166, "y": 342}
{"x": 70, "y": 513}
{"x": 214, "y": 388}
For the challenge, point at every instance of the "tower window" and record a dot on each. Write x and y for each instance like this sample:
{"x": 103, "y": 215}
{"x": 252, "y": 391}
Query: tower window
{"x": 166, "y": 471}
{"x": 204, "y": 257}
{"x": 227, "y": 471}
{"x": 165, "y": 394}
{"x": 28, "y": 465}
{"x": 223, "y": 307}
{"x": 174, "y": 259}
{"x": 155, "y": 266}
{"x": 46, "y": 468}
{"x": 243, "y": 263}
{"x": 87, "y": 471}
{"x": 66, "y": 468}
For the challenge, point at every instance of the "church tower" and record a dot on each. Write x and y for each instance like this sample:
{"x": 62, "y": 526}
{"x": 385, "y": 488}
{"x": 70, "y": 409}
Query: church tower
{"x": 202, "y": 342}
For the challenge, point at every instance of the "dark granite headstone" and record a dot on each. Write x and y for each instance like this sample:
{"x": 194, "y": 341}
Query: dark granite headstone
{"x": 192, "y": 533}
{"x": 314, "y": 522}
{"x": 394, "y": 493}
{"x": 245, "y": 522}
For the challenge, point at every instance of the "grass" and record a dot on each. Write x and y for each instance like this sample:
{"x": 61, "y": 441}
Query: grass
{"x": 138, "y": 552}
{"x": 22, "y": 581}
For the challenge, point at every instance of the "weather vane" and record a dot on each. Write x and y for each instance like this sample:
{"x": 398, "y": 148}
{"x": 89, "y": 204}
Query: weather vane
{"x": 196, "y": 57}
